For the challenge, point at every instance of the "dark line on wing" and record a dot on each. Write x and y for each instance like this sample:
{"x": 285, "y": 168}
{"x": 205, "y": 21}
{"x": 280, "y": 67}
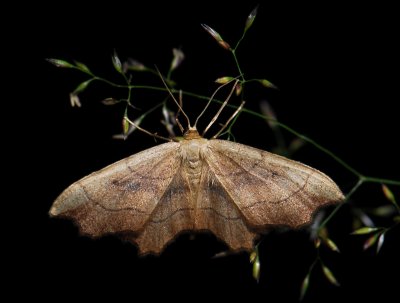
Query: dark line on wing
{"x": 125, "y": 190}
{"x": 282, "y": 200}
{"x": 263, "y": 179}
{"x": 160, "y": 159}
{"x": 109, "y": 209}
{"x": 170, "y": 215}
{"x": 221, "y": 215}
{"x": 244, "y": 169}
{"x": 187, "y": 209}
{"x": 127, "y": 166}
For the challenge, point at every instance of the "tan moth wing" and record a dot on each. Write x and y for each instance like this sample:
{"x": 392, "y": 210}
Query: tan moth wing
{"x": 191, "y": 204}
{"x": 149, "y": 198}
{"x": 269, "y": 189}
{"x": 218, "y": 212}
{"x": 122, "y": 196}
{"x": 173, "y": 214}
{"x": 232, "y": 190}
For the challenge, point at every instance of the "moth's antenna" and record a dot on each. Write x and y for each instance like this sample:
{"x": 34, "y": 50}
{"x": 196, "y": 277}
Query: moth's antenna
{"x": 147, "y": 132}
{"x": 229, "y": 120}
{"x": 173, "y": 98}
{"x": 179, "y": 111}
{"x": 221, "y": 108}
{"x": 211, "y": 98}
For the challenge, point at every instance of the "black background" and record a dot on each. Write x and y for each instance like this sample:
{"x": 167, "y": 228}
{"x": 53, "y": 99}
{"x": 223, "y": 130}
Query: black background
{"x": 337, "y": 70}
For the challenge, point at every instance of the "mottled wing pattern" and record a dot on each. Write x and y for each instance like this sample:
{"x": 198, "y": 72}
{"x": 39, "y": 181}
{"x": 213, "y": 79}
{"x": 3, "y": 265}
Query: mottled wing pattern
{"x": 269, "y": 189}
{"x": 122, "y": 196}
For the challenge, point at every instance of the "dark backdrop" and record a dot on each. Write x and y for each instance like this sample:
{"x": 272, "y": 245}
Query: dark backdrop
{"x": 336, "y": 68}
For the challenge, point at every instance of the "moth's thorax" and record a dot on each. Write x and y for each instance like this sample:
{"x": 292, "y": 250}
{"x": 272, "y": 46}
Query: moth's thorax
{"x": 192, "y": 155}
{"x": 192, "y": 151}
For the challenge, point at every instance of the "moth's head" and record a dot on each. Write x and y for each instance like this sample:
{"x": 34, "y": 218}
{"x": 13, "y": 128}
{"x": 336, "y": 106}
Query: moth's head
{"x": 191, "y": 134}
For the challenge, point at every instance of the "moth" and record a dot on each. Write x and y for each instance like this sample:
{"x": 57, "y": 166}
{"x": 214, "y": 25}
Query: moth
{"x": 196, "y": 184}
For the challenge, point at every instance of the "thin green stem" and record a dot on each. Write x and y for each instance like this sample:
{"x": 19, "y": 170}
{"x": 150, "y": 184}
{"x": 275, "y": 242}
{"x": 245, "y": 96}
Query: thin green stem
{"x": 111, "y": 83}
{"x": 169, "y": 75}
{"x": 240, "y": 41}
{"x": 154, "y": 88}
{"x": 238, "y": 66}
{"x": 380, "y": 180}
{"x": 129, "y": 96}
{"x": 317, "y": 259}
